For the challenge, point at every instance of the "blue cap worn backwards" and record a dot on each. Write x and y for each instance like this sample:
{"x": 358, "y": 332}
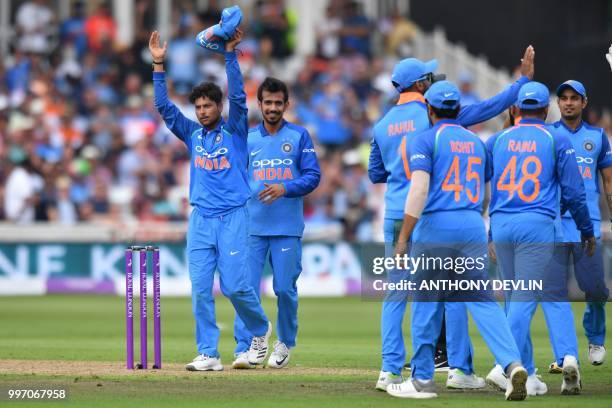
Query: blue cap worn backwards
{"x": 410, "y": 70}
{"x": 574, "y": 85}
{"x": 214, "y": 38}
{"x": 532, "y": 95}
{"x": 443, "y": 95}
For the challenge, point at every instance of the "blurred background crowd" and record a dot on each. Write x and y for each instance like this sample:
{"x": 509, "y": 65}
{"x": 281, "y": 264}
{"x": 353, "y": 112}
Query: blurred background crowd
{"x": 80, "y": 139}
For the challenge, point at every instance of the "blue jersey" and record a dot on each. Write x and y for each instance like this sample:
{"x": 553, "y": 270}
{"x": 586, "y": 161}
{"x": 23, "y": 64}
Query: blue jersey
{"x": 531, "y": 164}
{"x": 389, "y": 159}
{"x": 218, "y": 181}
{"x": 456, "y": 160}
{"x": 287, "y": 157}
{"x": 593, "y": 154}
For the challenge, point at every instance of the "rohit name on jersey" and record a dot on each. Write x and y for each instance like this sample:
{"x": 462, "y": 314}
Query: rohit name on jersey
{"x": 212, "y": 161}
{"x": 272, "y": 169}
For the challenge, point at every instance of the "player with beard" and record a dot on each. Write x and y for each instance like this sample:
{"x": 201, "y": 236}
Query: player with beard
{"x": 283, "y": 168}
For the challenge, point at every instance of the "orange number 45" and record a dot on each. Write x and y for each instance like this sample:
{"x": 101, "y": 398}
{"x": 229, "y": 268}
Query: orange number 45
{"x": 457, "y": 187}
{"x": 512, "y": 186}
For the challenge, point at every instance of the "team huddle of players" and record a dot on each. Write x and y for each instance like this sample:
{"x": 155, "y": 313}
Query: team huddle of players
{"x": 246, "y": 187}
{"x": 537, "y": 182}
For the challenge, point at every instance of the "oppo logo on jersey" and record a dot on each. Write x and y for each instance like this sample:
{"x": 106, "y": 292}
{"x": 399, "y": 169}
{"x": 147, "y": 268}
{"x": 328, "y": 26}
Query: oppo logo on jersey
{"x": 212, "y": 161}
{"x": 584, "y": 166}
{"x": 586, "y": 160}
{"x": 272, "y": 162}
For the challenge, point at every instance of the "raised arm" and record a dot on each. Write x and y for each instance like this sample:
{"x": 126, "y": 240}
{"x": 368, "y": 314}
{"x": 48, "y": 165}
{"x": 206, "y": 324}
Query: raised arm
{"x": 174, "y": 119}
{"x": 237, "y": 122}
{"x": 489, "y": 108}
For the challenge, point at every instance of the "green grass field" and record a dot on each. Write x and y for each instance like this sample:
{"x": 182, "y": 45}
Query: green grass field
{"x": 335, "y": 364}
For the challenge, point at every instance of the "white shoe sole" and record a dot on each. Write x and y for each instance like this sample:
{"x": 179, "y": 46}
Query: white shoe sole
{"x": 457, "y": 386}
{"x": 495, "y": 385}
{"x": 517, "y": 386}
{"x": 413, "y": 395}
{"x": 242, "y": 365}
{"x": 571, "y": 382}
{"x": 381, "y": 386}
{"x": 190, "y": 367}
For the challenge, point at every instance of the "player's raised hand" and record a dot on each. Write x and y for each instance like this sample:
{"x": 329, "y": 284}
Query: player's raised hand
{"x": 589, "y": 245}
{"x": 231, "y": 44}
{"x": 609, "y": 56}
{"x": 527, "y": 63}
{"x": 271, "y": 193}
{"x": 157, "y": 52}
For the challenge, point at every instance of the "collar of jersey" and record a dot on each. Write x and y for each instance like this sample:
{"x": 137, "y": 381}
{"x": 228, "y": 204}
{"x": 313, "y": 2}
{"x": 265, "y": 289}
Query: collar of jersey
{"x": 531, "y": 122}
{"x": 406, "y": 97}
{"x": 569, "y": 129}
{"x": 216, "y": 128}
{"x": 264, "y": 131}
{"x": 446, "y": 122}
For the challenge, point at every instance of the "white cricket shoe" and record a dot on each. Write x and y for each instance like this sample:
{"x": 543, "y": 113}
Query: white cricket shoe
{"x": 241, "y": 361}
{"x": 279, "y": 358}
{"x": 408, "y": 389}
{"x": 571, "y": 384}
{"x": 516, "y": 389}
{"x": 204, "y": 363}
{"x": 535, "y": 385}
{"x": 385, "y": 378}
{"x": 457, "y": 379}
{"x": 259, "y": 347}
{"x": 597, "y": 354}
{"x": 497, "y": 378}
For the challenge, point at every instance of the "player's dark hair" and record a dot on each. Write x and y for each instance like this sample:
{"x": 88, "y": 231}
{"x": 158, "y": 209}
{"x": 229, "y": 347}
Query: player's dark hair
{"x": 272, "y": 85}
{"x": 446, "y": 113}
{"x": 208, "y": 90}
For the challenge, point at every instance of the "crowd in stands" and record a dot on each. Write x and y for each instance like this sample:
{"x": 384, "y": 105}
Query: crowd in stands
{"x": 80, "y": 139}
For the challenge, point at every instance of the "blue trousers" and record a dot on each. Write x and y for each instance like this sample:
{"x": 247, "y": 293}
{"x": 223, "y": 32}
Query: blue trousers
{"x": 285, "y": 255}
{"x": 433, "y": 237}
{"x": 524, "y": 243}
{"x": 221, "y": 243}
{"x": 589, "y": 273}
{"x": 392, "y": 317}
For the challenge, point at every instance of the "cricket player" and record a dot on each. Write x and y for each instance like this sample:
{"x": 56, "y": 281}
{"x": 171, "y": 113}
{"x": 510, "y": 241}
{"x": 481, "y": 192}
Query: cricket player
{"x": 283, "y": 168}
{"x": 217, "y": 237}
{"x": 531, "y": 163}
{"x": 389, "y": 164}
{"x": 594, "y": 159}
{"x": 443, "y": 215}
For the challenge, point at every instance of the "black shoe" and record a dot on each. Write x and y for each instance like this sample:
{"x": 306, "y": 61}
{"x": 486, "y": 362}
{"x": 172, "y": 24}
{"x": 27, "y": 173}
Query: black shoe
{"x": 441, "y": 362}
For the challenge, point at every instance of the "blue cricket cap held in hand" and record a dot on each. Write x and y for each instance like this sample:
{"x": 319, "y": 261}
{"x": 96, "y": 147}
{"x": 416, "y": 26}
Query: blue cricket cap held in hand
{"x": 532, "y": 95}
{"x": 443, "y": 95}
{"x": 409, "y": 70}
{"x": 574, "y": 85}
{"x": 214, "y": 38}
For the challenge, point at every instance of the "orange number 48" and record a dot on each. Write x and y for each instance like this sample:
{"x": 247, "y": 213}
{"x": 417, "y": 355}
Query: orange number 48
{"x": 512, "y": 186}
